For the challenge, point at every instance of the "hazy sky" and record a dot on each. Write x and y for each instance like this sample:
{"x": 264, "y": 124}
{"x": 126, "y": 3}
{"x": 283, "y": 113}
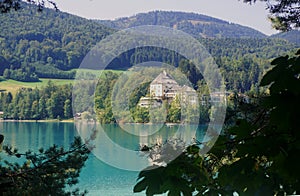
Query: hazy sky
{"x": 235, "y": 11}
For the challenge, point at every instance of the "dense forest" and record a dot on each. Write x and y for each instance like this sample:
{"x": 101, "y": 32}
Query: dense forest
{"x": 242, "y": 69}
{"x": 49, "y": 42}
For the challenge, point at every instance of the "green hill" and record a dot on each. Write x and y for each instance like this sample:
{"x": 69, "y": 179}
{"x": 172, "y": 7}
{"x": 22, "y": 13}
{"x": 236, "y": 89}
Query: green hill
{"x": 47, "y": 41}
{"x": 194, "y": 24}
{"x": 197, "y": 25}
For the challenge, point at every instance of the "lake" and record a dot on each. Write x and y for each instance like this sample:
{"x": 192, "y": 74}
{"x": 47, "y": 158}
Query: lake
{"x": 98, "y": 176}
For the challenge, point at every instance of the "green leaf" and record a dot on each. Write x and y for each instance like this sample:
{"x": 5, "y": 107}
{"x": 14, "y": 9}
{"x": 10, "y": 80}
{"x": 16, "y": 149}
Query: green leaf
{"x": 280, "y": 60}
{"x": 271, "y": 76}
{"x": 140, "y": 186}
{"x": 1, "y": 139}
{"x": 242, "y": 129}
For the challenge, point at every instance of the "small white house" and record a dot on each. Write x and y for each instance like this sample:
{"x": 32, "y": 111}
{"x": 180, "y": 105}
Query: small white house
{"x": 188, "y": 95}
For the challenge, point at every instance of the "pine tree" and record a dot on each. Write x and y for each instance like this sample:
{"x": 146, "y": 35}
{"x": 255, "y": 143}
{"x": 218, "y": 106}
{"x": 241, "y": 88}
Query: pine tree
{"x": 47, "y": 172}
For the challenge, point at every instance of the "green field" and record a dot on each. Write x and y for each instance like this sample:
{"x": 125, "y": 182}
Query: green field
{"x": 97, "y": 72}
{"x": 12, "y": 85}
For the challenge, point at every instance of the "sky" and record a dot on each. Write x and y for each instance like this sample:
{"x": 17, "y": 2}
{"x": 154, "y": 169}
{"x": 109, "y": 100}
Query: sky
{"x": 235, "y": 11}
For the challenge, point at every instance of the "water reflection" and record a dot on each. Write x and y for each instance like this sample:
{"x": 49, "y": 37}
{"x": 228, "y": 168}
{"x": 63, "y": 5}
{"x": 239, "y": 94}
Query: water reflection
{"x": 118, "y": 148}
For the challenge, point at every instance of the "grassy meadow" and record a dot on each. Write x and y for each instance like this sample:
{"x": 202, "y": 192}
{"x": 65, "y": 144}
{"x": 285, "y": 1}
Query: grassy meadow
{"x": 12, "y": 85}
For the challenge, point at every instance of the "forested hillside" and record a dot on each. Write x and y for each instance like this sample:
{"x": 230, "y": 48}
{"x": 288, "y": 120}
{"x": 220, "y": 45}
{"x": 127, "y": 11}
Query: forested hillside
{"x": 242, "y": 61}
{"x": 194, "y": 24}
{"x": 51, "y": 44}
{"x": 45, "y": 43}
{"x": 197, "y": 25}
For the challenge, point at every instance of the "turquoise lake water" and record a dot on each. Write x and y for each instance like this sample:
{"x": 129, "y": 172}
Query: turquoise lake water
{"x": 120, "y": 149}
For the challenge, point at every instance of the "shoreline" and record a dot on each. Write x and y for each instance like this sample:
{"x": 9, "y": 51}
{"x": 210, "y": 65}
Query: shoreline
{"x": 48, "y": 120}
{"x": 73, "y": 121}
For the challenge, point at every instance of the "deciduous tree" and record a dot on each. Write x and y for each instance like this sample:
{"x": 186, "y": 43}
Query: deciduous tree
{"x": 7, "y": 5}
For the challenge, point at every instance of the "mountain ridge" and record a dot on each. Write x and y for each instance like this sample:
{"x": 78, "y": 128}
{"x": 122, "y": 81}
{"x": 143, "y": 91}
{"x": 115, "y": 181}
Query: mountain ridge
{"x": 189, "y": 22}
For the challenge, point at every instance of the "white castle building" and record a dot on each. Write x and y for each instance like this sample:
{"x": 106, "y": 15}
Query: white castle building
{"x": 164, "y": 87}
